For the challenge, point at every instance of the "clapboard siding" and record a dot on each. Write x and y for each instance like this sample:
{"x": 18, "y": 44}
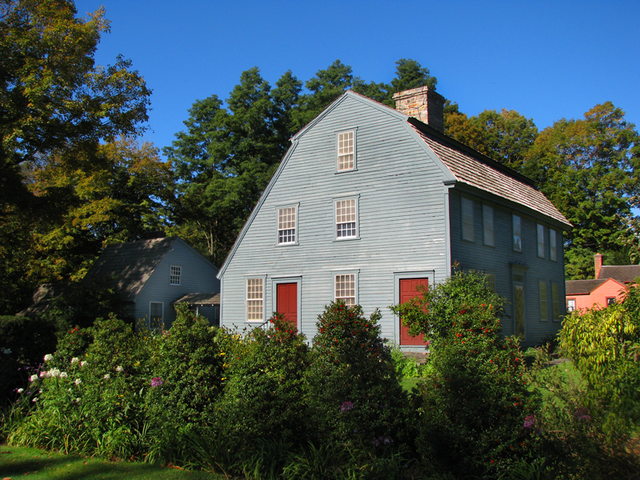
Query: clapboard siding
{"x": 498, "y": 260}
{"x": 400, "y": 203}
{"x": 197, "y": 276}
{"x": 409, "y": 223}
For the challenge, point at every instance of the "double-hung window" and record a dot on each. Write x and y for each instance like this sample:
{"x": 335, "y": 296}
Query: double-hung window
{"x": 346, "y": 218}
{"x": 553, "y": 245}
{"x": 555, "y": 297}
{"x": 345, "y": 288}
{"x": 287, "y": 225}
{"x": 544, "y": 309}
{"x": 255, "y": 297}
{"x": 346, "y": 151}
{"x": 487, "y": 224}
{"x": 467, "y": 219}
{"x": 540, "y": 240}
{"x": 175, "y": 272}
{"x": 517, "y": 233}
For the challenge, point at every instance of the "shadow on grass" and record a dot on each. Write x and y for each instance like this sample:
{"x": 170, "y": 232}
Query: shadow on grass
{"x": 35, "y": 464}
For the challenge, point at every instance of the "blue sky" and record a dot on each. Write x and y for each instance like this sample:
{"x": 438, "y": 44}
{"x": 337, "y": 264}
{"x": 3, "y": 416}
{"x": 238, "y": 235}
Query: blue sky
{"x": 545, "y": 59}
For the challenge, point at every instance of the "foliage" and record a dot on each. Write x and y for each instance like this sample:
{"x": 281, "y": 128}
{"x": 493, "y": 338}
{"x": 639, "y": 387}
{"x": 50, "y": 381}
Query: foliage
{"x": 188, "y": 376}
{"x": 354, "y": 394}
{"x": 586, "y": 167}
{"x": 23, "y": 344}
{"x": 505, "y": 136}
{"x": 264, "y": 396}
{"x": 406, "y": 367}
{"x": 604, "y": 345}
{"x": 474, "y": 403}
{"x": 53, "y": 95}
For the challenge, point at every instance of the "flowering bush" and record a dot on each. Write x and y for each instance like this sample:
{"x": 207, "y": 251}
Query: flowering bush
{"x": 353, "y": 390}
{"x": 475, "y": 401}
{"x": 264, "y": 396}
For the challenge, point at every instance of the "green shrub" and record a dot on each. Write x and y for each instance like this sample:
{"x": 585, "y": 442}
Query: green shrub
{"x": 23, "y": 344}
{"x": 475, "y": 405}
{"x": 354, "y": 394}
{"x": 264, "y": 396}
{"x": 604, "y": 345}
{"x": 187, "y": 378}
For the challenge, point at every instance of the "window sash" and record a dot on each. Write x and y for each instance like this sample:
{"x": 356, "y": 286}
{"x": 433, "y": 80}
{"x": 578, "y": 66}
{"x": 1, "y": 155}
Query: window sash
{"x": 255, "y": 297}
{"x": 544, "y": 310}
{"x": 487, "y": 220}
{"x": 174, "y": 275}
{"x": 517, "y": 233}
{"x": 553, "y": 245}
{"x": 345, "y": 288}
{"x": 540, "y": 240}
{"x": 467, "y": 219}
{"x": 555, "y": 297}
{"x": 346, "y": 214}
{"x": 346, "y": 151}
{"x": 287, "y": 225}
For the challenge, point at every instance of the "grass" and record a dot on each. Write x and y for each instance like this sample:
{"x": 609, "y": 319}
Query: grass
{"x": 36, "y": 464}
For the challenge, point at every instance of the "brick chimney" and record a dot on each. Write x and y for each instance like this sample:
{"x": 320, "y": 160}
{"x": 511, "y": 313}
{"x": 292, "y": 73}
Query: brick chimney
{"x": 424, "y": 104}
{"x": 597, "y": 259}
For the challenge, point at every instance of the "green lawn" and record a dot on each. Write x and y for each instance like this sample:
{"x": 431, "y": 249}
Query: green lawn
{"x": 35, "y": 464}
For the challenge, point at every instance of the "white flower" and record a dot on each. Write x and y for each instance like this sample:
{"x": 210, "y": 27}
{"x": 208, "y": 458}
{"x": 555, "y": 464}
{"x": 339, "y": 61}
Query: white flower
{"x": 78, "y": 381}
{"x": 33, "y": 378}
{"x": 107, "y": 376}
{"x": 35, "y": 399}
{"x": 63, "y": 375}
{"x": 54, "y": 372}
{"x": 43, "y": 374}
{"x": 48, "y": 357}
{"x": 75, "y": 360}
{"x": 84, "y": 364}
{"x": 77, "y": 400}
{"x": 119, "y": 368}
{"x": 39, "y": 391}
{"x": 20, "y": 390}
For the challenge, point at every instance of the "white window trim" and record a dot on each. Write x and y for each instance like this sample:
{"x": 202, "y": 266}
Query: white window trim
{"x": 247, "y": 299}
{"x": 171, "y": 275}
{"x": 485, "y": 223}
{"x": 296, "y": 233}
{"x": 540, "y": 243}
{"x": 515, "y": 246}
{"x": 354, "y": 152}
{"x": 335, "y": 218}
{"x": 356, "y": 283}
{"x": 468, "y": 233}
{"x": 571, "y": 308}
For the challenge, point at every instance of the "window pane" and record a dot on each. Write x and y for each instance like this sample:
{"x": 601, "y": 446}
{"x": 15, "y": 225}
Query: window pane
{"x": 555, "y": 294}
{"x": 345, "y": 151}
{"x": 287, "y": 225}
{"x": 487, "y": 220}
{"x": 553, "y": 246}
{"x": 467, "y": 219}
{"x": 174, "y": 275}
{"x": 543, "y": 301}
{"x": 346, "y": 218}
{"x": 517, "y": 233}
{"x": 540, "y": 241}
{"x": 345, "y": 288}
{"x": 254, "y": 299}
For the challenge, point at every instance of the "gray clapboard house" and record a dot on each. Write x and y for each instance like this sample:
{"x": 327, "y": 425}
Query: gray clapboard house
{"x": 151, "y": 275}
{"x": 370, "y": 202}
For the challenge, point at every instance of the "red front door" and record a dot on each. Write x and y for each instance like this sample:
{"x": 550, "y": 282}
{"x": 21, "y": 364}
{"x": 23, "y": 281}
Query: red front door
{"x": 409, "y": 291}
{"x": 287, "y": 301}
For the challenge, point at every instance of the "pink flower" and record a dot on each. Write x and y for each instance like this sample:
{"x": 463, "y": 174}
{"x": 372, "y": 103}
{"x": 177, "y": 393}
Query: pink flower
{"x": 156, "y": 382}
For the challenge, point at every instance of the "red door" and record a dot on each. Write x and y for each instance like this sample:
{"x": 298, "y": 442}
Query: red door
{"x": 409, "y": 291}
{"x": 287, "y": 301}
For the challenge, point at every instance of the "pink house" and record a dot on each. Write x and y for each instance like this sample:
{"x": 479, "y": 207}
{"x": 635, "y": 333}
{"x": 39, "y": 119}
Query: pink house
{"x": 608, "y": 287}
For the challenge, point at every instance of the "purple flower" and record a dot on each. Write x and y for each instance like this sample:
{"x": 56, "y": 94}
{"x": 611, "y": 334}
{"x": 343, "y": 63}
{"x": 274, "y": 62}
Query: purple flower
{"x": 530, "y": 421}
{"x": 346, "y": 406}
{"x": 156, "y": 382}
{"x": 582, "y": 414}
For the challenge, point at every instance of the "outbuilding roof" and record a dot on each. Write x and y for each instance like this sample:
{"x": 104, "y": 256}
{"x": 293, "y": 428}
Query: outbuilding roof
{"x": 622, "y": 273}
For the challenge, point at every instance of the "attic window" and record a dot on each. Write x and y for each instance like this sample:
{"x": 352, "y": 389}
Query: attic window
{"x": 287, "y": 225}
{"x": 346, "y": 151}
{"x": 174, "y": 275}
